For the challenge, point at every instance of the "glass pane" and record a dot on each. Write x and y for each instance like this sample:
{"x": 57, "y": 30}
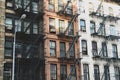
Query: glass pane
{"x": 18, "y": 25}
{"x": 8, "y": 22}
{"x": 35, "y": 29}
{"x": 35, "y": 7}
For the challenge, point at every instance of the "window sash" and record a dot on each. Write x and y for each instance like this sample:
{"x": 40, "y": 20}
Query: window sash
{"x": 53, "y": 72}
{"x": 96, "y": 72}
{"x": 62, "y": 49}
{"x": 86, "y": 71}
{"x": 52, "y": 48}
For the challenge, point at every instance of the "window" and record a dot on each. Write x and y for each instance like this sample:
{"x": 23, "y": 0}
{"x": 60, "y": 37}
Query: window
{"x": 8, "y": 23}
{"x": 52, "y": 48}
{"x": 63, "y": 72}
{"x": 96, "y": 72}
{"x": 101, "y": 30}
{"x": 18, "y": 25}
{"x": 61, "y": 26}
{"x": 86, "y": 71}
{"x": 104, "y": 49}
{"x": 72, "y": 72}
{"x": 92, "y": 27}
{"x": 53, "y": 72}
{"x": 35, "y": 28}
{"x": 91, "y": 7}
{"x": 7, "y": 71}
{"x": 84, "y": 47}
{"x": 82, "y": 25}
{"x": 72, "y": 53}
{"x": 9, "y": 4}
{"x": 106, "y": 72}
{"x": 117, "y": 73}
{"x": 62, "y": 49}
{"x": 26, "y": 24}
{"x": 28, "y": 5}
{"x": 51, "y": 5}
{"x": 114, "y": 51}
{"x": 112, "y": 30}
{"x": 8, "y": 47}
{"x": 69, "y": 9}
{"x": 71, "y": 29}
{"x": 60, "y": 5}
{"x": 111, "y": 11}
{"x": 52, "y": 25}
{"x": 35, "y": 7}
{"x": 94, "y": 48}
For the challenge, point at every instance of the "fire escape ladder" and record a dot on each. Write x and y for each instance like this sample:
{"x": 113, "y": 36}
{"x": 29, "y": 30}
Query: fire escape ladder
{"x": 72, "y": 44}
{"x": 72, "y": 20}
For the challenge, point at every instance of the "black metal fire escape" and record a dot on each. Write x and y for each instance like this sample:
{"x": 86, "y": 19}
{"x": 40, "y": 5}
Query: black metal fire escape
{"x": 101, "y": 32}
{"x": 29, "y": 63}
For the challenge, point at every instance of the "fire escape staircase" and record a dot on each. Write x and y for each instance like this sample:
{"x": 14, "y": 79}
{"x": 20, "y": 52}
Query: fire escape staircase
{"x": 31, "y": 40}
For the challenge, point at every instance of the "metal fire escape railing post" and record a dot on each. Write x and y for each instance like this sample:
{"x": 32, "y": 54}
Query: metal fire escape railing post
{"x": 14, "y": 43}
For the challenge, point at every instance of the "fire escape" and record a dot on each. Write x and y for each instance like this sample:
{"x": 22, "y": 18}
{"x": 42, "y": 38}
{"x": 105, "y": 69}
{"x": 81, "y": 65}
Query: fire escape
{"x": 29, "y": 54}
{"x": 70, "y": 57}
{"x": 101, "y": 32}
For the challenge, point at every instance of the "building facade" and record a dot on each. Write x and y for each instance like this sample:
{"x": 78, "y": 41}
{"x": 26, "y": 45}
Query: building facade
{"x": 39, "y": 38}
{"x": 99, "y": 22}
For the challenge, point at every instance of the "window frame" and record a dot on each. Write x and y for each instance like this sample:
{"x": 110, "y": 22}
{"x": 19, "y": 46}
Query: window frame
{"x": 92, "y": 27}
{"x": 82, "y": 25}
{"x": 62, "y": 49}
{"x": 53, "y": 71}
{"x": 86, "y": 72}
{"x": 52, "y": 28}
{"x": 94, "y": 48}
{"x": 84, "y": 47}
{"x": 104, "y": 50}
{"x": 63, "y": 72}
{"x": 53, "y": 48}
{"x": 96, "y": 74}
{"x": 114, "y": 51}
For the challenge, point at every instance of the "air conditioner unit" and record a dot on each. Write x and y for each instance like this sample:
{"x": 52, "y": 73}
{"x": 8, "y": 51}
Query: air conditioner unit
{"x": 52, "y": 30}
{"x": 83, "y": 29}
{"x": 9, "y": 27}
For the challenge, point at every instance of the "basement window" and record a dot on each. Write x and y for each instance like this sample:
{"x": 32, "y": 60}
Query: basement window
{"x": 52, "y": 48}
{"x": 53, "y": 72}
{"x": 63, "y": 72}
